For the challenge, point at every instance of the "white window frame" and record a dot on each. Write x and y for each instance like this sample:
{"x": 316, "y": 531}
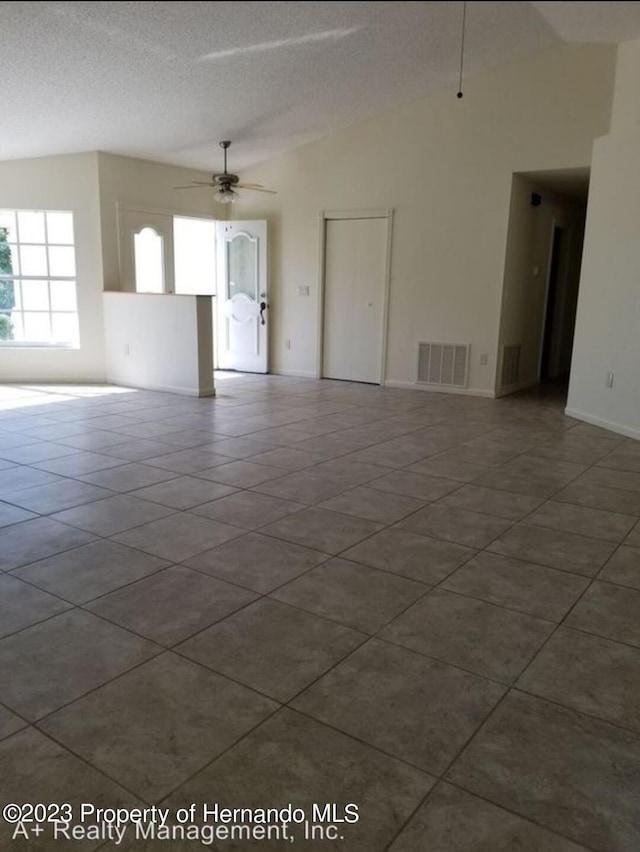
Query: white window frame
{"x": 18, "y": 280}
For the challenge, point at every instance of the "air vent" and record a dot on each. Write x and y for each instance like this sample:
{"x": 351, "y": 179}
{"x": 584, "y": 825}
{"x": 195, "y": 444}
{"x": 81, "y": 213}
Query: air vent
{"x": 510, "y": 365}
{"x": 443, "y": 364}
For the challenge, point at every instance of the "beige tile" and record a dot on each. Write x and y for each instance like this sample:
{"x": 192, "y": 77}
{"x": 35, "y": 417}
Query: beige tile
{"x": 128, "y": 477}
{"x": 248, "y": 509}
{"x": 554, "y": 548}
{"x": 36, "y": 539}
{"x": 562, "y": 770}
{"x": 477, "y": 636}
{"x": 413, "y": 708}
{"x": 295, "y": 759}
{"x": 428, "y": 560}
{"x": 57, "y": 496}
{"x": 113, "y": 515}
{"x": 22, "y": 605}
{"x": 153, "y": 728}
{"x": 596, "y": 523}
{"x": 94, "y": 569}
{"x": 593, "y": 675}
{"x": 623, "y": 567}
{"x": 609, "y": 611}
{"x": 179, "y": 536}
{"x": 9, "y": 723}
{"x": 501, "y": 504}
{"x": 171, "y": 605}
{"x": 351, "y": 594}
{"x": 373, "y": 505}
{"x": 599, "y": 497}
{"x": 33, "y": 768}
{"x": 329, "y": 532}
{"x": 458, "y": 525}
{"x": 524, "y": 586}
{"x": 257, "y": 562}
{"x": 452, "y": 820}
{"x": 240, "y": 474}
{"x": 426, "y": 488}
{"x": 13, "y": 515}
{"x": 55, "y": 662}
{"x": 184, "y": 492}
{"x": 272, "y": 647}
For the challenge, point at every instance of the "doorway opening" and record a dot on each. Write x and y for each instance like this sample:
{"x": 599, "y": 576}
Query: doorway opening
{"x": 541, "y": 279}
{"x": 550, "y": 318}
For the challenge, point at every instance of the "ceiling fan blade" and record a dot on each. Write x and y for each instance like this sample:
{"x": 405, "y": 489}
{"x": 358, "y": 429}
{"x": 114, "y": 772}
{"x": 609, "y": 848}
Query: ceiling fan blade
{"x": 254, "y": 188}
{"x": 253, "y": 185}
{"x": 198, "y": 185}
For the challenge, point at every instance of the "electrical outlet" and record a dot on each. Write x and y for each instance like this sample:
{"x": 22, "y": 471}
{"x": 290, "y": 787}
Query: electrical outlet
{"x": 610, "y": 379}
{"x": 127, "y": 350}
{"x": 484, "y": 359}
{"x": 287, "y": 343}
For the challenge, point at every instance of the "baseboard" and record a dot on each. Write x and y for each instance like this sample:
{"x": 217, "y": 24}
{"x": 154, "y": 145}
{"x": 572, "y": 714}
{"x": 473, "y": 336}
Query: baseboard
{"x": 181, "y": 391}
{"x": 300, "y": 374}
{"x": 618, "y": 428}
{"x": 515, "y": 388}
{"x": 488, "y": 394}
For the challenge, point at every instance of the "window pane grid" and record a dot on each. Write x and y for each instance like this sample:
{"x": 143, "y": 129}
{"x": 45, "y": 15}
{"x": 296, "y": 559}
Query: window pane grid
{"x": 30, "y": 311}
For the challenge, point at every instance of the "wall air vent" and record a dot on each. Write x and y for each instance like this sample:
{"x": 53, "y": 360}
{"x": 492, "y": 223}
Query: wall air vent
{"x": 510, "y": 373}
{"x": 443, "y": 364}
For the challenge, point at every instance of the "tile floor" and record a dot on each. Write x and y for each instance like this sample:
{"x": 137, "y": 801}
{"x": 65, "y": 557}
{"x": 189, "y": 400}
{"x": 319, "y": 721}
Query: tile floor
{"x": 304, "y": 591}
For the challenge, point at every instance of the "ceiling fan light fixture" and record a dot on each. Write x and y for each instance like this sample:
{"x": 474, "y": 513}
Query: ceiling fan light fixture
{"x": 225, "y": 196}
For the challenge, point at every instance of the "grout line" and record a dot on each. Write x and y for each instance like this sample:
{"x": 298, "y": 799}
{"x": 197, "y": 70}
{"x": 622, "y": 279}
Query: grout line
{"x": 497, "y": 428}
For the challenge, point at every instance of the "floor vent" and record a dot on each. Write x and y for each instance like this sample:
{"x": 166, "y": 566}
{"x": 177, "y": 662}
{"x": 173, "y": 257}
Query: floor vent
{"x": 510, "y": 374}
{"x": 443, "y": 364}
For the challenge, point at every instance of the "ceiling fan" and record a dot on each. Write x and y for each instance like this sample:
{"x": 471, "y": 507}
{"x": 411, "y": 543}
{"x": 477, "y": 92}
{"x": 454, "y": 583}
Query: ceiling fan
{"x": 226, "y": 184}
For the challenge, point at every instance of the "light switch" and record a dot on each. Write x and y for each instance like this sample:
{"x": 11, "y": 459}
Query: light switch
{"x": 303, "y": 290}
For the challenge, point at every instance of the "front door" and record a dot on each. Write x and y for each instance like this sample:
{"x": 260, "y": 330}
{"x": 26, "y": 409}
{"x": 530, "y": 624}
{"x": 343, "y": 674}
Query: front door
{"x": 242, "y": 317}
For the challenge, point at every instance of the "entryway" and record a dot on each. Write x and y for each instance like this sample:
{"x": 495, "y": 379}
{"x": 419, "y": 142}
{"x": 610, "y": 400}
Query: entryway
{"x": 163, "y": 253}
{"x": 541, "y": 279}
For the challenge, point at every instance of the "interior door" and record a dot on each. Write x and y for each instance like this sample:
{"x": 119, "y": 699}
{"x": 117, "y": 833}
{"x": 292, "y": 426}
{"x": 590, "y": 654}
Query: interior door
{"x": 146, "y": 251}
{"x": 242, "y": 296}
{"x": 354, "y": 289}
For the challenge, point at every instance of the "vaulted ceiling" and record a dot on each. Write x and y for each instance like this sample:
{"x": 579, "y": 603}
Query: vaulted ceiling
{"x": 167, "y": 80}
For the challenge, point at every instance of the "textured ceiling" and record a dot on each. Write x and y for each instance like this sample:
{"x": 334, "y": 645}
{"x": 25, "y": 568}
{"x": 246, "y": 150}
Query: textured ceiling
{"x": 167, "y": 80}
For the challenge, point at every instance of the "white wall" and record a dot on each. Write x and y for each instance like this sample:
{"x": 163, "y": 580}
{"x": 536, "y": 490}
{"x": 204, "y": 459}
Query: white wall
{"x": 625, "y": 111}
{"x": 608, "y": 320}
{"x": 62, "y": 183}
{"x": 90, "y": 185}
{"x": 446, "y": 168}
{"x": 524, "y": 294}
{"x": 159, "y": 341}
{"x": 141, "y": 184}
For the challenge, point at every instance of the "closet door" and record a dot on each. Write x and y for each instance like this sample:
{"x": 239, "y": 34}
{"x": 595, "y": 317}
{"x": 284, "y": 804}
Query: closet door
{"x": 354, "y": 288}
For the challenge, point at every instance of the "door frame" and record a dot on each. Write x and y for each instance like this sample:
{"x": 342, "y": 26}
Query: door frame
{"x": 323, "y": 217}
{"x": 561, "y": 282}
{"x": 262, "y": 278}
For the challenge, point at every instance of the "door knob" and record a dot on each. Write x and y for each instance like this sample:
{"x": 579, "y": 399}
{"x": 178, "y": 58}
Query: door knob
{"x": 263, "y": 308}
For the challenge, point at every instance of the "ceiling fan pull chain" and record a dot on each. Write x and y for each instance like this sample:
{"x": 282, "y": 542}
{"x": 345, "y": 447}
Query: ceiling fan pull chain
{"x": 464, "y": 26}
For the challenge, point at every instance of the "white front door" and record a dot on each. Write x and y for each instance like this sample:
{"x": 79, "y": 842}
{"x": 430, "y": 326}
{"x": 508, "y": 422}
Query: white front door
{"x": 242, "y": 302}
{"x": 146, "y": 251}
{"x": 354, "y": 293}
